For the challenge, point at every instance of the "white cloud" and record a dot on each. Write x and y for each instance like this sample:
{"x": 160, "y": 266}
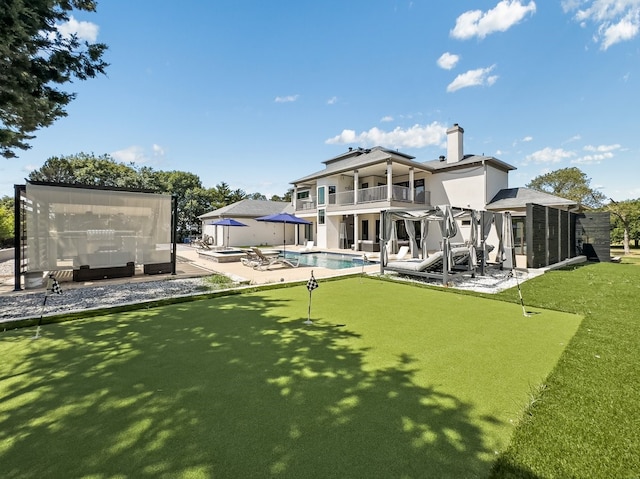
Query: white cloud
{"x": 573, "y": 138}
{"x": 137, "y": 154}
{"x": 527, "y": 139}
{"x": 591, "y": 159}
{"x": 386, "y": 119}
{"x": 417, "y": 136}
{"x": 625, "y": 29}
{"x": 332, "y": 101}
{"x": 615, "y": 20}
{"x": 602, "y": 148}
{"x": 286, "y": 99}
{"x": 84, "y": 30}
{"x": 600, "y": 153}
{"x": 158, "y": 150}
{"x": 448, "y": 60}
{"x": 549, "y": 155}
{"x": 476, "y": 23}
{"x": 473, "y": 78}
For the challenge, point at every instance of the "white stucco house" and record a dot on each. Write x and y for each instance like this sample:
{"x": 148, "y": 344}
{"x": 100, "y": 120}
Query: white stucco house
{"x": 344, "y": 200}
{"x": 256, "y": 233}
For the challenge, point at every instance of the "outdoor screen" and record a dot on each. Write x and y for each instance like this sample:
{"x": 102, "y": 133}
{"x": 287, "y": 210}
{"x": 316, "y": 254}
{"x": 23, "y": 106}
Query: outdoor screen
{"x": 68, "y": 227}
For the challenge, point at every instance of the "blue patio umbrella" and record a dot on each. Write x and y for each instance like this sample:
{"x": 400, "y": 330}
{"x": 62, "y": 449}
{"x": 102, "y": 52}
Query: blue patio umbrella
{"x": 284, "y": 218}
{"x": 227, "y": 222}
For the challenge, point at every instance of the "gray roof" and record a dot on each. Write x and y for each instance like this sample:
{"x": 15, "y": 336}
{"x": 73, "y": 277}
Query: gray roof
{"x": 511, "y": 198}
{"x": 359, "y": 158}
{"x": 249, "y": 209}
{"x": 440, "y": 165}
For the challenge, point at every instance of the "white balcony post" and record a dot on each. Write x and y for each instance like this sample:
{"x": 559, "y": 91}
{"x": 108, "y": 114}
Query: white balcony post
{"x": 356, "y": 233}
{"x": 356, "y": 182}
{"x": 412, "y": 189}
{"x": 294, "y": 197}
{"x": 389, "y": 180}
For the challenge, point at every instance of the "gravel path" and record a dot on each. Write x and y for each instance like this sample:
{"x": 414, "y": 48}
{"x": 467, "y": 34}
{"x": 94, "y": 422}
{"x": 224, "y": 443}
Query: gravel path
{"x": 494, "y": 280}
{"x": 27, "y": 305}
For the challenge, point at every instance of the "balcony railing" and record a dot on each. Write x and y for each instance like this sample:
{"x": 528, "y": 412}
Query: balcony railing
{"x": 366, "y": 195}
{"x": 306, "y": 204}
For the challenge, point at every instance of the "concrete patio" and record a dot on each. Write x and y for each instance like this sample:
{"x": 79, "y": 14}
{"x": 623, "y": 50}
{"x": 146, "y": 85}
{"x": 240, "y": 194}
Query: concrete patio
{"x": 190, "y": 264}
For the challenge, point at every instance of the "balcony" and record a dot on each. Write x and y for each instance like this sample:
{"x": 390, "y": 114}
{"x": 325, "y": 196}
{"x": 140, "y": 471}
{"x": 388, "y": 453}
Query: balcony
{"x": 305, "y": 204}
{"x": 376, "y": 194}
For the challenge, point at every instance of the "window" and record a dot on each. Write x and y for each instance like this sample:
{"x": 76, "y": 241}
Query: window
{"x": 519, "y": 236}
{"x": 321, "y": 216}
{"x": 419, "y": 191}
{"x": 303, "y": 194}
{"x": 321, "y": 200}
{"x": 332, "y": 195}
{"x": 365, "y": 229}
{"x": 364, "y": 185}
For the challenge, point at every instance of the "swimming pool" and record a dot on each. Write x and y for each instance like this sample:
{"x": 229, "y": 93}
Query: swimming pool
{"x": 328, "y": 260}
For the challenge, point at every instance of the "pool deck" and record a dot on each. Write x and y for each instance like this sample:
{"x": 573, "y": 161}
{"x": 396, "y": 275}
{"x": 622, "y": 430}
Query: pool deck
{"x": 191, "y": 264}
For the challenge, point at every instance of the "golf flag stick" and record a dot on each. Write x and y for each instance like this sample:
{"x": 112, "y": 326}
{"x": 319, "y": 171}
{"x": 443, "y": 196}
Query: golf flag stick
{"x": 524, "y": 311}
{"x": 52, "y": 287}
{"x": 311, "y": 285}
{"x": 364, "y": 260}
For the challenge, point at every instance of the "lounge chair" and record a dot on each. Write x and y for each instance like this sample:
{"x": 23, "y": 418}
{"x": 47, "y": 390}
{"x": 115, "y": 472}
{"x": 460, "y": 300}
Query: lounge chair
{"x": 201, "y": 244}
{"x": 309, "y": 247}
{"x": 268, "y": 260}
{"x": 250, "y": 259}
{"x": 402, "y": 252}
{"x": 429, "y": 267}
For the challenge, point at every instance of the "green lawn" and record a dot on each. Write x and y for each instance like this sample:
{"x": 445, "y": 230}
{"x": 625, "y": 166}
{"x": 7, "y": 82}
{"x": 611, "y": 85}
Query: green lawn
{"x": 391, "y": 380}
{"x": 586, "y": 424}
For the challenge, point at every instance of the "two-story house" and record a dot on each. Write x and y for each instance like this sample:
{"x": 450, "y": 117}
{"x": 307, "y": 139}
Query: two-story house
{"x": 344, "y": 200}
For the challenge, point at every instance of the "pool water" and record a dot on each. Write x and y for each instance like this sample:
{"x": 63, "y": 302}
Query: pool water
{"x": 328, "y": 260}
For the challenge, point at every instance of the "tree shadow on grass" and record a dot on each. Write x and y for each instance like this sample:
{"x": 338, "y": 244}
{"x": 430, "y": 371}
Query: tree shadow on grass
{"x": 219, "y": 389}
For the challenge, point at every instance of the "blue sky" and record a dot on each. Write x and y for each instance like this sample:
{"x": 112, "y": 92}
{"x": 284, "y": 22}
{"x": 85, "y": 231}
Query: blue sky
{"x": 257, "y": 94}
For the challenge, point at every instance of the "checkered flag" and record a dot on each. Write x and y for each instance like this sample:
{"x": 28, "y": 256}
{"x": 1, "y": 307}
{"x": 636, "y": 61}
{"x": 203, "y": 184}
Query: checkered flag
{"x": 312, "y": 283}
{"x": 54, "y": 285}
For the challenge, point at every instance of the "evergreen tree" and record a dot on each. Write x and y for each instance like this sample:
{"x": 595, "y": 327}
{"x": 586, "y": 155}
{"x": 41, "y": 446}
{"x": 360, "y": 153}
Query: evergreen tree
{"x": 36, "y": 59}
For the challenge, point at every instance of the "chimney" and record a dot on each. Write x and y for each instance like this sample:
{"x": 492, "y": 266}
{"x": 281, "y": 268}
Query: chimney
{"x": 454, "y": 143}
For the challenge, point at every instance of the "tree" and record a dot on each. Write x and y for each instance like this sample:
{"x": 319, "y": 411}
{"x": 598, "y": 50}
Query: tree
{"x": 256, "y": 196}
{"x": 87, "y": 169}
{"x": 6, "y": 221}
{"x": 35, "y": 60}
{"x": 287, "y": 196}
{"x": 221, "y": 195}
{"x": 626, "y": 220}
{"x": 570, "y": 183}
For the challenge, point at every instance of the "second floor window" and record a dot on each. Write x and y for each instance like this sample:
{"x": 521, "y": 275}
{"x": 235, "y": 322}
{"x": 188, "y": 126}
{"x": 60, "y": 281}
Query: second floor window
{"x": 332, "y": 195}
{"x": 321, "y": 199}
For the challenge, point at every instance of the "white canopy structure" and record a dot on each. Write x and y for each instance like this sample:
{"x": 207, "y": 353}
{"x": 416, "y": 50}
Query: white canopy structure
{"x": 465, "y": 255}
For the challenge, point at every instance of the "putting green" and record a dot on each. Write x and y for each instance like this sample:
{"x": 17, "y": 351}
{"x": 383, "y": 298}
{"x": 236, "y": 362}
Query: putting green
{"x": 390, "y": 380}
